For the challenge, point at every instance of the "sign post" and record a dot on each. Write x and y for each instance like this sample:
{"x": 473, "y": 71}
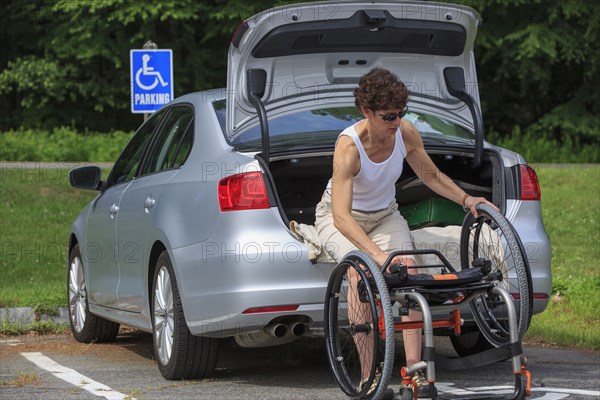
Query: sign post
{"x": 151, "y": 72}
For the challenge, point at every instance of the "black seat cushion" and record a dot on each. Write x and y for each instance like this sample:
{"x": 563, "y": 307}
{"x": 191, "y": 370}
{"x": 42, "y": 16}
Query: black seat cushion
{"x": 455, "y": 280}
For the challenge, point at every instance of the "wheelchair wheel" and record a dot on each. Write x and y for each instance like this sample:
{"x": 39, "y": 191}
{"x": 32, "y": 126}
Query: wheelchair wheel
{"x": 359, "y": 327}
{"x": 491, "y": 236}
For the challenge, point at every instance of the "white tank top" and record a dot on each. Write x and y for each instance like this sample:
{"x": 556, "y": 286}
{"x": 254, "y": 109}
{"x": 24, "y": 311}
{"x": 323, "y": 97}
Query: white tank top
{"x": 374, "y": 187}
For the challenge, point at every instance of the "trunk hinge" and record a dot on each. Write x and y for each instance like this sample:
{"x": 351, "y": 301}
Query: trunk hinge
{"x": 256, "y": 81}
{"x": 455, "y": 82}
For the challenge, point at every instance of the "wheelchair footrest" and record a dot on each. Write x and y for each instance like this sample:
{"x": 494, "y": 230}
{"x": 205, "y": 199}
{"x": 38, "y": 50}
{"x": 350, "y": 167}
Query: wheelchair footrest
{"x": 487, "y": 357}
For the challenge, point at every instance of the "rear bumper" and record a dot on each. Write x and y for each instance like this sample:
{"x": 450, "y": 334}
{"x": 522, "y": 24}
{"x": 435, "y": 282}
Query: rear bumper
{"x": 240, "y": 269}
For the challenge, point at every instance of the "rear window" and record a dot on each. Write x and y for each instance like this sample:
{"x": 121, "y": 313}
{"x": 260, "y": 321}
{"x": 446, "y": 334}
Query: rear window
{"x": 319, "y": 128}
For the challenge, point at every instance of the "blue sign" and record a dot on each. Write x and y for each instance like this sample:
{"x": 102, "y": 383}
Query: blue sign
{"x": 151, "y": 79}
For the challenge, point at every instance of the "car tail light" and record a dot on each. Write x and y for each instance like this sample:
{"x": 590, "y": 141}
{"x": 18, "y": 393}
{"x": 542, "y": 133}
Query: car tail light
{"x": 246, "y": 191}
{"x": 530, "y": 186}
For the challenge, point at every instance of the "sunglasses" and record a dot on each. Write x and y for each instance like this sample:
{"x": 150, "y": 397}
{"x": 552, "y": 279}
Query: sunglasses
{"x": 392, "y": 117}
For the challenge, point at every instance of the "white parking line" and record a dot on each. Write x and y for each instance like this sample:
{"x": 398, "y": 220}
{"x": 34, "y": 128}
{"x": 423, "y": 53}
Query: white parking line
{"x": 595, "y": 393}
{"x": 550, "y": 393}
{"x": 74, "y": 378}
{"x": 508, "y": 389}
{"x": 553, "y": 396}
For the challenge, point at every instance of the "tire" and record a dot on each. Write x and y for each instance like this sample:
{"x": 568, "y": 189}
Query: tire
{"x": 342, "y": 336}
{"x": 522, "y": 387}
{"x": 470, "y": 343}
{"x": 491, "y": 236}
{"x": 86, "y": 327}
{"x": 179, "y": 354}
{"x": 405, "y": 393}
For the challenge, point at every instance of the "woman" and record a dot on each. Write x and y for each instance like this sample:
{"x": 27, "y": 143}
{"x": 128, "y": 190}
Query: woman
{"x": 358, "y": 209}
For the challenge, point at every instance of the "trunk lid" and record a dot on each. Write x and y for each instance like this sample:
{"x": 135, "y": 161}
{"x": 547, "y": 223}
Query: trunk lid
{"x": 316, "y": 52}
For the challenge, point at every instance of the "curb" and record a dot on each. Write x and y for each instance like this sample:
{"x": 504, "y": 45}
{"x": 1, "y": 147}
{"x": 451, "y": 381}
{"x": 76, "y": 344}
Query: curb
{"x": 25, "y": 316}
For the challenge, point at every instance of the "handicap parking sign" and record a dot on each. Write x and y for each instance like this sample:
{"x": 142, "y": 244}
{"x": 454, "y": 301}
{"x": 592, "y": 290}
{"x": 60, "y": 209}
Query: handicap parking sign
{"x": 151, "y": 79}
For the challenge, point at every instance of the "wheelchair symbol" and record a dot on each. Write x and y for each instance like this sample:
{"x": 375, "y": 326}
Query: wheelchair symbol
{"x": 145, "y": 71}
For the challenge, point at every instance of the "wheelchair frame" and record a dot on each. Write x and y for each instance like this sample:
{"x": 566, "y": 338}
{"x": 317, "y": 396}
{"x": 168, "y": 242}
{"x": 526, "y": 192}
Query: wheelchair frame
{"x": 377, "y": 290}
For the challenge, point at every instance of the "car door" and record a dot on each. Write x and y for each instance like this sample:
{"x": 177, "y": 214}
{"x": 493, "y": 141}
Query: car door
{"x": 98, "y": 252}
{"x": 136, "y": 228}
{"x": 101, "y": 252}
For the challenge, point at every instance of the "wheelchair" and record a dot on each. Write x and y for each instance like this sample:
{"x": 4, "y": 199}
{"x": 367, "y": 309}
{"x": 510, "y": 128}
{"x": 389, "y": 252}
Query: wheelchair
{"x": 494, "y": 281}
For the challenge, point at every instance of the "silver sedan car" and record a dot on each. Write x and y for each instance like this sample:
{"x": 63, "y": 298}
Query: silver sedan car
{"x": 189, "y": 236}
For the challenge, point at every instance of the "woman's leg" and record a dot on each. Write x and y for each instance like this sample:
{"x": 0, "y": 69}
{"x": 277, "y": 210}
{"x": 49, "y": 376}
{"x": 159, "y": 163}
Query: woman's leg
{"x": 390, "y": 232}
{"x": 337, "y": 246}
{"x": 359, "y": 314}
{"x": 412, "y": 337}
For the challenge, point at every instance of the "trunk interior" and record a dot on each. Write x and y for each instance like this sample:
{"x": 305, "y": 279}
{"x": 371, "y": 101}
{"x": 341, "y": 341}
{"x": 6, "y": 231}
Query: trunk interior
{"x": 301, "y": 180}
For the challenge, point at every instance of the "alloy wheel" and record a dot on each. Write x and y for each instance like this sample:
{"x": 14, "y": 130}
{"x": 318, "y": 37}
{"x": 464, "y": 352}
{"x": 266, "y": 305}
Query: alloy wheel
{"x": 77, "y": 295}
{"x": 163, "y": 315}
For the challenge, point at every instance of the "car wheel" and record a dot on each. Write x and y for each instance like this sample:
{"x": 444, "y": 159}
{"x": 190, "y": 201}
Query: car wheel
{"x": 470, "y": 343}
{"x": 179, "y": 354}
{"x": 86, "y": 327}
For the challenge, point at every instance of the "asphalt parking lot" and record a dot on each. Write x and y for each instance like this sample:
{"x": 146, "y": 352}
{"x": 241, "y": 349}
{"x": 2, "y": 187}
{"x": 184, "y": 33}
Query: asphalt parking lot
{"x": 57, "y": 367}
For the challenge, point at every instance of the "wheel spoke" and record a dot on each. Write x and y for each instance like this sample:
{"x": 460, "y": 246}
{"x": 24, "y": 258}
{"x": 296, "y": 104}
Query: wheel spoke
{"x": 73, "y": 296}
{"x": 160, "y": 343}
{"x": 158, "y": 295}
{"x": 80, "y": 315}
{"x": 73, "y": 300}
{"x": 168, "y": 340}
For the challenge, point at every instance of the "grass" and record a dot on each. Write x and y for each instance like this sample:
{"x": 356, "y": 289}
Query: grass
{"x": 12, "y": 328}
{"x": 571, "y": 212}
{"x": 22, "y": 379}
{"x": 38, "y": 206}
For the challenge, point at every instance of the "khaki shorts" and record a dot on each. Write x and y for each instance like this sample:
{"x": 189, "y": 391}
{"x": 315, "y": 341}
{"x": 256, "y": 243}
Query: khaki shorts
{"x": 387, "y": 228}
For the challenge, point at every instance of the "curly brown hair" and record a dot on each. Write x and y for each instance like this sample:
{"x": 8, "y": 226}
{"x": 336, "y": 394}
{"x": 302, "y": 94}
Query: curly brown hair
{"x": 380, "y": 89}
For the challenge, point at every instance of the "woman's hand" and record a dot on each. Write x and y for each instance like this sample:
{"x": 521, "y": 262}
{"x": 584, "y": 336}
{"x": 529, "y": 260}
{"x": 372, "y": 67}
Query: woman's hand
{"x": 381, "y": 258}
{"x": 470, "y": 203}
{"x": 401, "y": 260}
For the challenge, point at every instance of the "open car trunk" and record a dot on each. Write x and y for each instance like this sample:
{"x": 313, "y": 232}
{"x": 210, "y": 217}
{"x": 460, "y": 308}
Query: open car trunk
{"x": 289, "y": 58}
{"x": 300, "y": 182}
{"x": 294, "y": 59}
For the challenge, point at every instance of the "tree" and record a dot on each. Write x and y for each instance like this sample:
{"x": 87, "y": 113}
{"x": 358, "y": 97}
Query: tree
{"x": 538, "y": 65}
{"x": 68, "y": 60}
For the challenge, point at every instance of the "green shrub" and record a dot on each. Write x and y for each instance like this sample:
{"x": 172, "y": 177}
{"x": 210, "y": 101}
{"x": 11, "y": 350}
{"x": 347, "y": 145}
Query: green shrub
{"x": 66, "y": 144}
{"x": 62, "y": 144}
{"x": 538, "y": 149}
